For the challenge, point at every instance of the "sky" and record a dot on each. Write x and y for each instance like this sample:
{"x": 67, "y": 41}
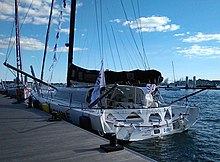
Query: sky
{"x": 125, "y": 34}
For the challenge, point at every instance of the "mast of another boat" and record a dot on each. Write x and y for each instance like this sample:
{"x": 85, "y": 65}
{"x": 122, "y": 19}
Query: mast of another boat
{"x": 18, "y": 51}
{"x": 47, "y": 38}
{"x": 71, "y": 41}
{"x": 174, "y": 79}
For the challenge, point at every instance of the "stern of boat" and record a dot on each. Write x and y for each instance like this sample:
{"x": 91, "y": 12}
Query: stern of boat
{"x": 184, "y": 117}
{"x": 138, "y": 124}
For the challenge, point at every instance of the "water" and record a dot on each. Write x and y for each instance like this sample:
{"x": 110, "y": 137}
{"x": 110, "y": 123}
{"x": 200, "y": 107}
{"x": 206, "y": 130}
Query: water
{"x": 200, "y": 143}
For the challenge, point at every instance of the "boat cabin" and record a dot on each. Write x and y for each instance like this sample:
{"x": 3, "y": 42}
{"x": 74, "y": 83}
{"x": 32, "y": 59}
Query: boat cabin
{"x": 125, "y": 96}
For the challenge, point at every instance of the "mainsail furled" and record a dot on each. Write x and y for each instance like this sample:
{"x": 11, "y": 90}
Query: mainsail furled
{"x": 124, "y": 77}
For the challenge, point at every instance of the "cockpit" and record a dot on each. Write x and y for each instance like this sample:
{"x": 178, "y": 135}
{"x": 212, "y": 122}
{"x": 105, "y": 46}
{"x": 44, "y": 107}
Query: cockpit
{"x": 125, "y": 96}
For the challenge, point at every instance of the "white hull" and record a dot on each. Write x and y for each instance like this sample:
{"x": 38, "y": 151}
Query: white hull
{"x": 129, "y": 124}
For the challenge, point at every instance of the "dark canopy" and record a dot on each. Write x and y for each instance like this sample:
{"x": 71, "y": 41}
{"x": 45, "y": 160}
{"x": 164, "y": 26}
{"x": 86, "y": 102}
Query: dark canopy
{"x": 124, "y": 77}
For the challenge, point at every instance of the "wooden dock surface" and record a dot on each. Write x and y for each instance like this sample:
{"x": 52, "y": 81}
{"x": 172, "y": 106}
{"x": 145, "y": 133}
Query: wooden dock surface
{"x": 26, "y": 135}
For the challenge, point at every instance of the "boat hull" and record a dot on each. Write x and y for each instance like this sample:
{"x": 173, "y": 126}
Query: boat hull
{"x": 128, "y": 120}
{"x": 127, "y": 128}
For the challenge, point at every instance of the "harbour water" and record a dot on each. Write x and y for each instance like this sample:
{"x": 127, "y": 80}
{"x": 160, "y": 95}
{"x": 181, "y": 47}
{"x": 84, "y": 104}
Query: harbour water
{"x": 200, "y": 143}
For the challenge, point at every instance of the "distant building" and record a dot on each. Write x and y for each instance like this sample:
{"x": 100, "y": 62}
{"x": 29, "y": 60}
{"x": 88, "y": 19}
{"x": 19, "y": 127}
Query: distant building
{"x": 193, "y": 83}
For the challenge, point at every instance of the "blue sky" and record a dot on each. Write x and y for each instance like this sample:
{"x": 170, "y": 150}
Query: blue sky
{"x": 121, "y": 32}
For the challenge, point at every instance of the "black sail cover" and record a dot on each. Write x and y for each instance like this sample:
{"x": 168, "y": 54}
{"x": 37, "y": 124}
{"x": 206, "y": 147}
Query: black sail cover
{"x": 123, "y": 77}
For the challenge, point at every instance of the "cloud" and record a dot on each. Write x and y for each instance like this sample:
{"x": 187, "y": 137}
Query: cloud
{"x": 200, "y": 51}
{"x": 116, "y": 20}
{"x": 200, "y": 37}
{"x": 180, "y": 34}
{"x": 79, "y": 49}
{"x": 66, "y": 30}
{"x": 62, "y": 49}
{"x": 65, "y": 49}
{"x": 30, "y": 44}
{"x": 4, "y": 42}
{"x": 152, "y": 24}
{"x": 38, "y": 13}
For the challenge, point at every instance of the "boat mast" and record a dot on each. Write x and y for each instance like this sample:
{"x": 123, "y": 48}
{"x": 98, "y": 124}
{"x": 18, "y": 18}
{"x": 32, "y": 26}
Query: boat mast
{"x": 174, "y": 79}
{"x": 71, "y": 41}
{"x": 18, "y": 51}
{"x": 47, "y": 38}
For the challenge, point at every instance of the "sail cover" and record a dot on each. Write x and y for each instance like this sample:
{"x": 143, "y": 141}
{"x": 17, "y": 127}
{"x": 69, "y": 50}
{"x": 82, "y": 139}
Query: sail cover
{"x": 80, "y": 74}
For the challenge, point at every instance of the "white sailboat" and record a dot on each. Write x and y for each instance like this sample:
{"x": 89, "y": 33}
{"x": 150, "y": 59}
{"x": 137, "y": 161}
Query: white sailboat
{"x": 131, "y": 111}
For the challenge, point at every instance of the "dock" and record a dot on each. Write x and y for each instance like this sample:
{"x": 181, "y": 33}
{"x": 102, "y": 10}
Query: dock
{"x": 27, "y": 135}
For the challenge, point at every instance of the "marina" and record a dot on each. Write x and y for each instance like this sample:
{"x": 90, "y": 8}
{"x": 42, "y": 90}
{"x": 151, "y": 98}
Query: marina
{"x": 26, "y": 135}
{"x": 126, "y": 110}
{"x": 125, "y": 103}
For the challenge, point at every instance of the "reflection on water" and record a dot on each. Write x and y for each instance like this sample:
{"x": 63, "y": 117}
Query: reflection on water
{"x": 200, "y": 143}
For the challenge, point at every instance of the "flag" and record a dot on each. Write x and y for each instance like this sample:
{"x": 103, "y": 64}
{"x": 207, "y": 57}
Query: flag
{"x": 100, "y": 82}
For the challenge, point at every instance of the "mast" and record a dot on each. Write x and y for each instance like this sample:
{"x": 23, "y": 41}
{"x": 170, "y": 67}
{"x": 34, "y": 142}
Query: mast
{"x": 18, "y": 51}
{"x": 71, "y": 41}
{"x": 174, "y": 79}
{"x": 47, "y": 38}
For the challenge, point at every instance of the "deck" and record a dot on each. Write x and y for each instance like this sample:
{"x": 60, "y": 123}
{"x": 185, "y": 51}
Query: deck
{"x": 26, "y": 135}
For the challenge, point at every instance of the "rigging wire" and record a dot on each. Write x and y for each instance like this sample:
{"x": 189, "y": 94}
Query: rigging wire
{"x": 142, "y": 38}
{"x": 101, "y": 24}
{"x": 11, "y": 47}
{"x": 97, "y": 26}
{"x": 26, "y": 14}
{"x": 116, "y": 48}
{"x": 10, "y": 41}
{"x": 55, "y": 60}
{"x": 13, "y": 72}
{"x": 140, "y": 31}
{"x": 110, "y": 47}
{"x": 144, "y": 64}
{"x": 137, "y": 59}
{"x": 83, "y": 47}
{"x": 124, "y": 46}
{"x": 125, "y": 49}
